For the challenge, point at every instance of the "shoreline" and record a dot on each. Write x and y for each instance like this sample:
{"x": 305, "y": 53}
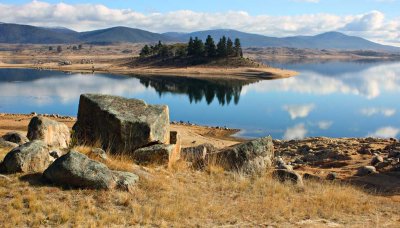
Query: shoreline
{"x": 240, "y": 73}
{"x": 192, "y": 134}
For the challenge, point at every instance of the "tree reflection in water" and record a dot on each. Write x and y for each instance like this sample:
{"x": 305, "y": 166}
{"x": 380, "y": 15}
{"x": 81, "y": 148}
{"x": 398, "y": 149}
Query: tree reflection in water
{"x": 226, "y": 91}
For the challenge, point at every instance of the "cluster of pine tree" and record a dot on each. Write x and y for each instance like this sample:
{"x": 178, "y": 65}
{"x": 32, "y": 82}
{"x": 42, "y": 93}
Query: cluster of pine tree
{"x": 224, "y": 48}
{"x": 159, "y": 49}
{"x": 196, "y": 49}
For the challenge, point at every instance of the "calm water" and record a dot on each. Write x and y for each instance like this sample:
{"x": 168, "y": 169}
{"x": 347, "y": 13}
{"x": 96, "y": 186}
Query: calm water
{"x": 335, "y": 99}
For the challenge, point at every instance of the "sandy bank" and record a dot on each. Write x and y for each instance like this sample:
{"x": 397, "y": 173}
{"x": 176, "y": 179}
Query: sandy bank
{"x": 241, "y": 73}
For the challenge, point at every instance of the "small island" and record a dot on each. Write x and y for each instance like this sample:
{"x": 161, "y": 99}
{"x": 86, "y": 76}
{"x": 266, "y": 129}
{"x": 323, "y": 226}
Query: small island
{"x": 195, "y": 57}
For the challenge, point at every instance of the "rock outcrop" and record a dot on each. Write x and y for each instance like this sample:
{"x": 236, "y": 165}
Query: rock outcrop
{"x": 53, "y": 133}
{"x": 31, "y": 157}
{"x": 250, "y": 157}
{"x": 15, "y": 137}
{"x": 120, "y": 124}
{"x": 78, "y": 171}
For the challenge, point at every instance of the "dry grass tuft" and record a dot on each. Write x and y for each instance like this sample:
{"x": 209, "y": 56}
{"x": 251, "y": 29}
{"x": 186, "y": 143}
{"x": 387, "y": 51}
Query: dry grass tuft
{"x": 185, "y": 198}
{"x": 114, "y": 162}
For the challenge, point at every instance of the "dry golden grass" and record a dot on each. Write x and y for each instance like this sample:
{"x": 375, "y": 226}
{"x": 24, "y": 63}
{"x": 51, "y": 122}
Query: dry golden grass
{"x": 185, "y": 198}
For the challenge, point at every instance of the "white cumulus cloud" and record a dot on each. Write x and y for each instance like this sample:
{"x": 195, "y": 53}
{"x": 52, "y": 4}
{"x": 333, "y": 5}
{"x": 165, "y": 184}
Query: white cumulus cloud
{"x": 324, "y": 125}
{"x": 299, "y": 111}
{"x": 375, "y": 111}
{"x": 372, "y": 25}
{"x": 385, "y": 132}
{"x": 298, "y": 131}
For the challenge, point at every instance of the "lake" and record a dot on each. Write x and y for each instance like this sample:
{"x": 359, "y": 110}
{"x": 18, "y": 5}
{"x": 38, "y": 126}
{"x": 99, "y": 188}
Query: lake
{"x": 333, "y": 99}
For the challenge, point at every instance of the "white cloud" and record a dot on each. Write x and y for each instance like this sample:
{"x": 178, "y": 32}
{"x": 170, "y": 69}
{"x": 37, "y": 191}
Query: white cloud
{"x": 49, "y": 90}
{"x": 298, "y": 131}
{"x": 299, "y": 111}
{"x": 367, "y": 83}
{"x": 374, "y": 111}
{"x": 372, "y": 25}
{"x": 385, "y": 132}
{"x": 310, "y": 1}
{"x": 370, "y": 21}
{"x": 324, "y": 125}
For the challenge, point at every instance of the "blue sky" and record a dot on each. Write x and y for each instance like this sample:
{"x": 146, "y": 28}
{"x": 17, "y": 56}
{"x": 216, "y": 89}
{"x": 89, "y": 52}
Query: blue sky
{"x": 377, "y": 20}
{"x": 272, "y": 7}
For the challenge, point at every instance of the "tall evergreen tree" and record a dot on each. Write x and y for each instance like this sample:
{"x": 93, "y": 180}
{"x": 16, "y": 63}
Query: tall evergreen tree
{"x": 145, "y": 51}
{"x": 190, "y": 47}
{"x": 198, "y": 47}
{"x": 229, "y": 47}
{"x": 238, "y": 48}
{"x": 209, "y": 46}
{"x": 221, "y": 47}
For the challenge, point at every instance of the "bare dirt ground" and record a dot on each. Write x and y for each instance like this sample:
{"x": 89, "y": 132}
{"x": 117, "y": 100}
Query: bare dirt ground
{"x": 115, "y": 59}
{"x": 184, "y": 197}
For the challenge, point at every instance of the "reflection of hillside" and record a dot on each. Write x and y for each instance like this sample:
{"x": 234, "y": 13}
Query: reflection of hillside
{"x": 327, "y": 67}
{"x": 225, "y": 91}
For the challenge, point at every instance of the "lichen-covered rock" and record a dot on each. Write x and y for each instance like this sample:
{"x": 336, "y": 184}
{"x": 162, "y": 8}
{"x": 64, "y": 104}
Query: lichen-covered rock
{"x": 156, "y": 154}
{"x": 53, "y": 133}
{"x": 121, "y": 125}
{"x": 284, "y": 175}
{"x": 7, "y": 144}
{"x": 250, "y": 157}
{"x": 15, "y": 137}
{"x": 30, "y": 157}
{"x": 196, "y": 155}
{"x": 366, "y": 170}
{"x": 125, "y": 181}
{"x": 98, "y": 153}
{"x": 79, "y": 171}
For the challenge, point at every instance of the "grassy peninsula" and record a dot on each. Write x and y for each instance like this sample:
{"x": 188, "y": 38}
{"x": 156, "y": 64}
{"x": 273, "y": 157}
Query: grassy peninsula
{"x": 192, "y": 59}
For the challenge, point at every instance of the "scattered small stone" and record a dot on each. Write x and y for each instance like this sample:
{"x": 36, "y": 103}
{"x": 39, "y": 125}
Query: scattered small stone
{"x": 366, "y": 170}
{"x": 331, "y": 176}
{"x": 376, "y": 159}
{"x": 99, "y": 153}
{"x": 284, "y": 175}
{"x": 309, "y": 176}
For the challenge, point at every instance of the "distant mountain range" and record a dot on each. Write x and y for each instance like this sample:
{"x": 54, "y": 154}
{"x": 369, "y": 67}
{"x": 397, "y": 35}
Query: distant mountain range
{"x": 26, "y": 34}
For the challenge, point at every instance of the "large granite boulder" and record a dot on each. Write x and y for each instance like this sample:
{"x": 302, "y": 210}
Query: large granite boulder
{"x": 31, "y": 157}
{"x": 54, "y": 133}
{"x": 121, "y": 125}
{"x": 251, "y": 157}
{"x": 15, "y": 137}
{"x": 79, "y": 171}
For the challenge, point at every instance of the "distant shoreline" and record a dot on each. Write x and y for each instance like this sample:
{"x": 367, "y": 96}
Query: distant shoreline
{"x": 241, "y": 73}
